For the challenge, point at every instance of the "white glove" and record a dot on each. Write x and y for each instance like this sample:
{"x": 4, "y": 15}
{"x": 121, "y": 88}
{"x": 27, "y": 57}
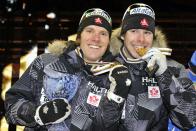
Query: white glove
{"x": 154, "y": 56}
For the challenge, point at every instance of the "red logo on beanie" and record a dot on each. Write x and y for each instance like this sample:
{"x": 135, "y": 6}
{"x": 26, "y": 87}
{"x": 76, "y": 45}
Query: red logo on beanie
{"x": 144, "y": 23}
{"x": 98, "y": 20}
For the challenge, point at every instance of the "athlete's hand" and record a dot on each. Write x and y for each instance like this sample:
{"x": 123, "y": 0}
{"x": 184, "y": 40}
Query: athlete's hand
{"x": 52, "y": 112}
{"x": 120, "y": 83}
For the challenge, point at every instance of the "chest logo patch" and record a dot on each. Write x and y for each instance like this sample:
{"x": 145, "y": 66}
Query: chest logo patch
{"x": 93, "y": 99}
{"x": 153, "y": 92}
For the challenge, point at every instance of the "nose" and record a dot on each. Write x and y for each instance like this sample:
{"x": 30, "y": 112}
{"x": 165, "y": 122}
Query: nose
{"x": 96, "y": 36}
{"x": 141, "y": 37}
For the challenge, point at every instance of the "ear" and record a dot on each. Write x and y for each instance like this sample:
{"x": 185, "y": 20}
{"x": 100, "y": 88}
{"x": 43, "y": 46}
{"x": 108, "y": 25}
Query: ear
{"x": 78, "y": 40}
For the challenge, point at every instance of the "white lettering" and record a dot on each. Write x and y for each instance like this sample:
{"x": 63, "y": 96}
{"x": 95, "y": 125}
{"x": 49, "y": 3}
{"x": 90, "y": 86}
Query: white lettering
{"x": 101, "y": 13}
{"x": 144, "y": 79}
{"x": 148, "y": 80}
{"x": 142, "y": 10}
{"x": 122, "y": 72}
{"x": 96, "y": 89}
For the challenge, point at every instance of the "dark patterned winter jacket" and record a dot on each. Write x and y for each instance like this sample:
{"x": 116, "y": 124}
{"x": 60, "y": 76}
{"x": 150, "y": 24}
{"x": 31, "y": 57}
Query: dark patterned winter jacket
{"x": 152, "y": 100}
{"x": 65, "y": 76}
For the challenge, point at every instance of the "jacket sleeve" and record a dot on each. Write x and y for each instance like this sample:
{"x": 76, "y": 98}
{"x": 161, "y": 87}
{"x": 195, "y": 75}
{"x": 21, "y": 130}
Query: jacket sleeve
{"x": 178, "y": 95}
{"x": 20, "y": 98}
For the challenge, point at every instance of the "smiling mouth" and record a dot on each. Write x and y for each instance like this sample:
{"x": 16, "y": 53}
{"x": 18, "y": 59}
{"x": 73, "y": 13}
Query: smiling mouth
{"x": 94, "y": 46}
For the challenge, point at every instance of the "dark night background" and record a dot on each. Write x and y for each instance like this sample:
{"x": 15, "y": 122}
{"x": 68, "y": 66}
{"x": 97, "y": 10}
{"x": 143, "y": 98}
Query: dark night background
{"x": 22, "y": 24}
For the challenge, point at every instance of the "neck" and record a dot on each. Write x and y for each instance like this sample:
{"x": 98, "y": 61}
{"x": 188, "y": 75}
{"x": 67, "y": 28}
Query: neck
{"x": 126, "y": 53}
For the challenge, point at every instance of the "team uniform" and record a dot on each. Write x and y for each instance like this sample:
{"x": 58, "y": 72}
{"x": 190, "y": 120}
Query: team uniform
{"x": 160, "y": 87}
{"x": 66, "y": 76}
{"x": 152, "y": 100}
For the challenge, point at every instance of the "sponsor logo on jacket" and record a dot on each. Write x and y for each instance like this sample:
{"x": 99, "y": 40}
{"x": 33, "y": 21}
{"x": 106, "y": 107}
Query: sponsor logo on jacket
{"x": 149, "y": 81}
{"x": 96, "y": 89}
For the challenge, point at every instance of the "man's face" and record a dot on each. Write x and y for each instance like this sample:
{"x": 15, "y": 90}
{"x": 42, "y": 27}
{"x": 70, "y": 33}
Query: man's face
{"x": 137, "y": 38}
{"x": 94, "y": 42}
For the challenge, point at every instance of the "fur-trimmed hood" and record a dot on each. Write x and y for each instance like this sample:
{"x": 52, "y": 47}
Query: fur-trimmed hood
{"x": 115, "y": 44}
{"x": 57, "y": 46}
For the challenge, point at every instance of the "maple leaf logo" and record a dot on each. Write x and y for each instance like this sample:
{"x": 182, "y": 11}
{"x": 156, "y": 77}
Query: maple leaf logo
{"x": 144, "y": 22}
{"x": 98, "y": 20}
{"x": 93, "y": 99}
{"x": 154, "y": 92}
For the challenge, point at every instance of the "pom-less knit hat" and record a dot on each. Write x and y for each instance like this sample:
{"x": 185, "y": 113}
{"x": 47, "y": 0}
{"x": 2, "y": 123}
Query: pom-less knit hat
{"x": 138, "y": 16}
{"x": 95, "y": 16}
